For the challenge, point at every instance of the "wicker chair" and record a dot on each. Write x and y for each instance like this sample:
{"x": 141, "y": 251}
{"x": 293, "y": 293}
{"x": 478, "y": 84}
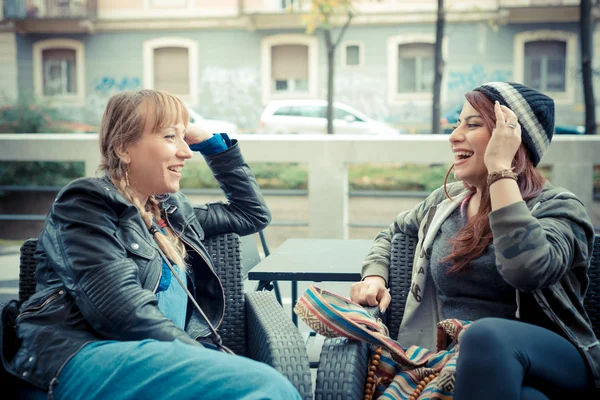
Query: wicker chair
{"x": 254, "y": 324}
{"x": 343, "y": 363}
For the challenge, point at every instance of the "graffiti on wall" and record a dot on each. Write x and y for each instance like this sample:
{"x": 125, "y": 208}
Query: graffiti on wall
{"x": 231, "y": 94}
{"x": 364, "y": 92}
{"x": 104, "y": 87}
{"x": 460, "y": 82}
{"x": 108, "y": 85}
{"x": 96, "y": 99}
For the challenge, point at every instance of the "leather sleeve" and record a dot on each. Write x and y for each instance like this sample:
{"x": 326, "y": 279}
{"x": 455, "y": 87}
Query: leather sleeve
{"x": 82, "y": 246}
{"x": 245, "y": 211}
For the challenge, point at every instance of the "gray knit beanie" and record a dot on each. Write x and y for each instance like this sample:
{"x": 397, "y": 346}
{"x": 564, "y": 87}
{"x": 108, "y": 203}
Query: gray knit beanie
{"x": 534, "y": 110}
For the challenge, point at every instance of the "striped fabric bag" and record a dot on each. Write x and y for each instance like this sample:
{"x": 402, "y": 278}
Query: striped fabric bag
{"x": 400, "y": 370}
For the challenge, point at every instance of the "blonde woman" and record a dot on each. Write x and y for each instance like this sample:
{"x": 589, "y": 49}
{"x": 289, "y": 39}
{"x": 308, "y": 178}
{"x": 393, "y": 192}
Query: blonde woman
{"x": 109, "y": 319}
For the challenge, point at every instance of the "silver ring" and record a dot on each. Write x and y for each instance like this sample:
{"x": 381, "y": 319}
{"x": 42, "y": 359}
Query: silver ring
{"x": 511, "y": 125}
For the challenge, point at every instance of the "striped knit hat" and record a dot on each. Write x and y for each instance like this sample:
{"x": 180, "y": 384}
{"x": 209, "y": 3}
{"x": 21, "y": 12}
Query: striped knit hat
{"x": 534, "y": 110}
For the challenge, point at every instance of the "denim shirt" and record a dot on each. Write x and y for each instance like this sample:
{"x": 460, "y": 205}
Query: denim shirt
{"x": 172, "y": 301}
{"x": 172, "y": 298}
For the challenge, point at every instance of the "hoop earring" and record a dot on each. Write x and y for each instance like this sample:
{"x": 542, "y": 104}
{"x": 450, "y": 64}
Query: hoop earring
{"x": 446, "y": 181}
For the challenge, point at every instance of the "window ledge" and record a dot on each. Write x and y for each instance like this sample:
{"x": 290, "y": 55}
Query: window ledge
{"x": 63, "y": 100}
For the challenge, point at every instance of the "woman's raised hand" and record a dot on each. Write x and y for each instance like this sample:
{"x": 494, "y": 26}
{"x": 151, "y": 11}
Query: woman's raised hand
{"x": 505, "y": 140}
{"x": 371, "y": 291}
{"x": 196, "y": 134}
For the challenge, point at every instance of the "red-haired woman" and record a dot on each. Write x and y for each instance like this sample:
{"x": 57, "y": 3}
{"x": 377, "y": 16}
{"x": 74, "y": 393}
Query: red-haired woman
{"x": 501, "y": 247}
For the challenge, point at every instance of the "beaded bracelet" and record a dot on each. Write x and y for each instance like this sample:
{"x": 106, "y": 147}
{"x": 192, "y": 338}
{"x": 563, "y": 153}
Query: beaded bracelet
{"x": 503, "y": 174}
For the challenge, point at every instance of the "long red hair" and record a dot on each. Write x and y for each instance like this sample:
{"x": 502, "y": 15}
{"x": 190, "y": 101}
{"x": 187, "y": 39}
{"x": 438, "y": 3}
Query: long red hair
{"x": 471, "y": 241}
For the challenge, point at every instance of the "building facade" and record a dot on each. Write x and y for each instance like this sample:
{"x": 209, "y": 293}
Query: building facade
{"x": 227, "y": 59}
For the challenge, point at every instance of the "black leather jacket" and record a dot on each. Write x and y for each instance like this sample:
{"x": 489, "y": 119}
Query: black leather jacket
{"x": 98, "y": 268}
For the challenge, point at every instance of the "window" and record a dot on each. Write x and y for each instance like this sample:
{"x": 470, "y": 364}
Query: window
{"x": 294, "y": 5}
{"x": 543, "y": 59}
{"x": 171, "y": 70}
{"x": 545, "y": 65}
{"x": 58, "y": 66}
{"x": 171, "y": 64}
{"x": 340, "y": 114}
{"x": 411, "y": 68}
{"x": 301, "y": 111}
{"x": 285, "y": 111}
{"x": 415, "y": 68}
{"x": 60, "y": 72}
{"x": 353, "y": 54}
{"x": 289, "y": 67}
{"x": 309, "y": 111}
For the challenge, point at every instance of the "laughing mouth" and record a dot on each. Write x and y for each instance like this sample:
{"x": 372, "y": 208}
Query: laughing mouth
{"x": 175, "y": 169}
{"x": 462, "y": 155}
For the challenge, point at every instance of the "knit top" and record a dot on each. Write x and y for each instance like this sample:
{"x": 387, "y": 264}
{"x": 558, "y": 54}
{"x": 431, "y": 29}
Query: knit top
{"x": 476, "y": 292}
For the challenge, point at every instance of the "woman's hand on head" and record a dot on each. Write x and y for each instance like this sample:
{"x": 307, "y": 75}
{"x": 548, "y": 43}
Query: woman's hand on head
{"x": 505, "y": 140}
{"x": 196, "y": 134}
{"x": 371, "y": 291}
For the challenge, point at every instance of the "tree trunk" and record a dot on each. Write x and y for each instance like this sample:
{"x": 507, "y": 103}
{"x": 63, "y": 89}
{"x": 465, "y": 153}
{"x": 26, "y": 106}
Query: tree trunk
{"x": 330, "y": 75}
{"x": 438, "y": 69}
{"x": 585, "y": 12}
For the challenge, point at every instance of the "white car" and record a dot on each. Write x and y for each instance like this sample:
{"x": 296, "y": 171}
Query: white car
{"x": 212, "y": 125}
{"x": 309, "y": 116}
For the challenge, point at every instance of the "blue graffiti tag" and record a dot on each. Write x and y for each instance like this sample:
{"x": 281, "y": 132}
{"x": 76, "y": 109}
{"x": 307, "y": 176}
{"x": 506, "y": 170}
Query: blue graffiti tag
{"x": 109, "y": 84}
{"x": 463, "y": 81}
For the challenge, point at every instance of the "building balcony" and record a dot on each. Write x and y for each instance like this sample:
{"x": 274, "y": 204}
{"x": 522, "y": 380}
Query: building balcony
{"x": 19, "y": 10}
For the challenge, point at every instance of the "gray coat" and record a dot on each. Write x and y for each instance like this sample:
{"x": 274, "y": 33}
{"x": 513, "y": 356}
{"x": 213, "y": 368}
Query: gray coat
{"x": 543, "y": 249}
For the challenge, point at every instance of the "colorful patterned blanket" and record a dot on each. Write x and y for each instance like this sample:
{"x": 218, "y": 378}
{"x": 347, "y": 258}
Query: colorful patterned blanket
{"x": 400, "y": 369}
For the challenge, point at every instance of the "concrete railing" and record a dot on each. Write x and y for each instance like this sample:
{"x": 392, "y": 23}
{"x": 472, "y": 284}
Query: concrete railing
{"x": 327, "y": 158}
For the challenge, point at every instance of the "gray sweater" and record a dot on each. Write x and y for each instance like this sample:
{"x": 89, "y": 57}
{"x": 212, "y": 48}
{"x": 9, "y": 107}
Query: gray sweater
{"x": 475, "y": 293}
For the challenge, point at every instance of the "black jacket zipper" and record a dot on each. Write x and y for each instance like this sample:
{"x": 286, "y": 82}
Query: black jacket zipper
{"x": 209, "y": 263}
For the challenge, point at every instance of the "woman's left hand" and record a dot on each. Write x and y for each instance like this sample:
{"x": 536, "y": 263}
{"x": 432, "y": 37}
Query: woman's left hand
{"x": 196, "y": 134}
{"x": 505, "y": 140}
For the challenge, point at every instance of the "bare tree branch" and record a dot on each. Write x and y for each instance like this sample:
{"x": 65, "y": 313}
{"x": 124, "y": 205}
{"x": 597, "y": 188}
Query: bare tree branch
{"x": 346, "y": 25}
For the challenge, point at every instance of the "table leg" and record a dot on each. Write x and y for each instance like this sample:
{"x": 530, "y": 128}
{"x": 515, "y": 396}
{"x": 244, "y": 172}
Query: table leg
{"x": 277, "y": 292}
{"x": 270, "y": 285}
{"x": 264, "y": 285}
{"x": 294, "y": 298}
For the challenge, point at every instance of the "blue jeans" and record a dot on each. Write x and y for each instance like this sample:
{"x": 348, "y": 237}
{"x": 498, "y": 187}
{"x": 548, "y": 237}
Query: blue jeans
{"x": 503, "y": 359}
{"x": 150, "y": 369}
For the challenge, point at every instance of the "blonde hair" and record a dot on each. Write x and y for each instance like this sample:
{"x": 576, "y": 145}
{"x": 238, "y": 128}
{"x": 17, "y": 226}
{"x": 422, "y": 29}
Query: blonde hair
{"x": 127, "y": 116}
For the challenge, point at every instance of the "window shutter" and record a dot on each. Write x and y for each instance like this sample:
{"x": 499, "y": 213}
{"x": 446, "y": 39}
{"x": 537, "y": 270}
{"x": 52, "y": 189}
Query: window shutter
{"x": 171, "y": 70}
{"x": 289, "y": 61}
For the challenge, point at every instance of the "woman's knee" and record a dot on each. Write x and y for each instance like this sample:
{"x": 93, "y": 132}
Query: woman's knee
{"x": 529, "y": 393}
{"x": 485, "y": 334}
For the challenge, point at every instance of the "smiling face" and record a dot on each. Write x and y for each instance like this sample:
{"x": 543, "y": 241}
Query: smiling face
{"x": 155, "y": 160}
{"x": 469, "y": 141}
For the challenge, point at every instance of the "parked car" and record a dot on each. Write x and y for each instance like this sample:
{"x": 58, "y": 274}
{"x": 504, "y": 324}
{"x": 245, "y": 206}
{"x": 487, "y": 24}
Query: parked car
{"x": 309, "y": 116}
{"x": 449, "y": 120}
{"x": 212, "y": 125}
